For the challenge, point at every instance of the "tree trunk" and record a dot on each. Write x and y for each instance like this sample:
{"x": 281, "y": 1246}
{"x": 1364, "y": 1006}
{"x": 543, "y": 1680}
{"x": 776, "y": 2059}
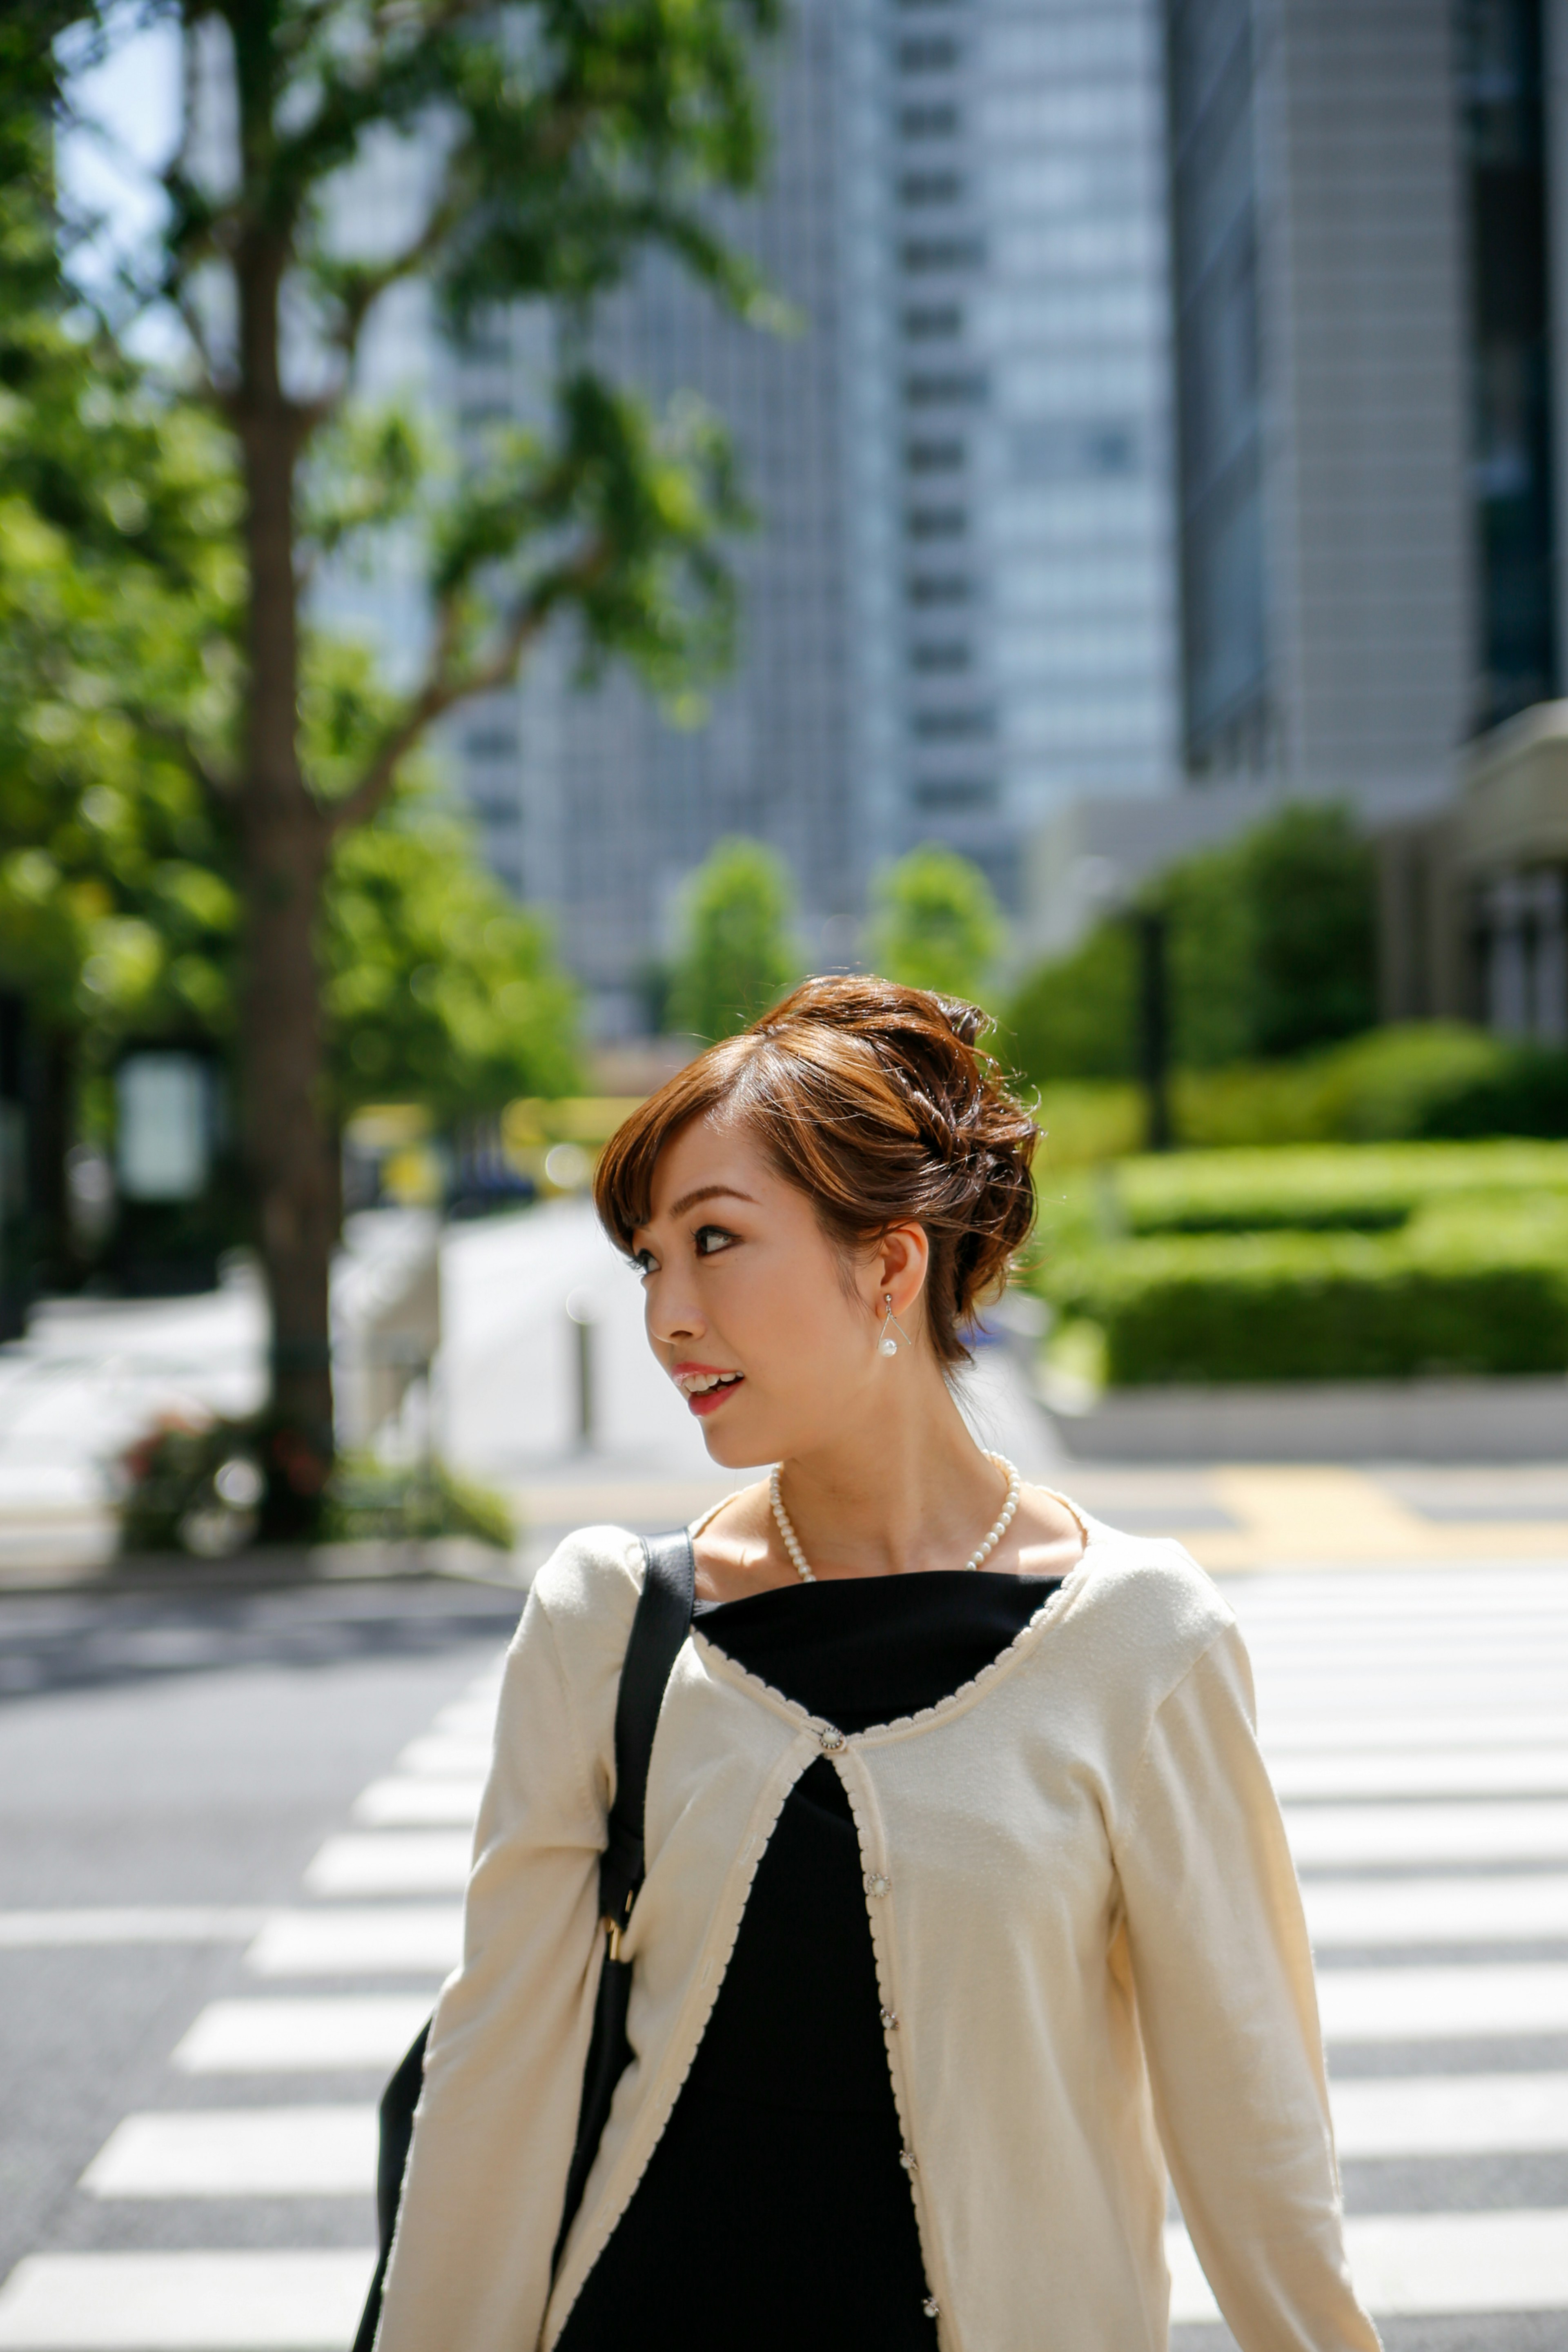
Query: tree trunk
{"x": 285, "y": 845}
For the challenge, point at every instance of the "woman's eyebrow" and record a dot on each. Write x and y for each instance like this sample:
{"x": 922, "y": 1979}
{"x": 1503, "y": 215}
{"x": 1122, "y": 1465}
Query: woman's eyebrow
{"x": 707, "y": 1193}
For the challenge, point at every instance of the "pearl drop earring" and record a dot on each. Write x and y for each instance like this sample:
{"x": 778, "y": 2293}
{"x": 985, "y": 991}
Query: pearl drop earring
{"x": 887, "y": 1345}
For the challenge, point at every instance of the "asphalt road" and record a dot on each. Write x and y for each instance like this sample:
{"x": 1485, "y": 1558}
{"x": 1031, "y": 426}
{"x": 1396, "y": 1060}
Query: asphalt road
{"x": 233, "y": 1835}
{"x": 158, "y": 1755}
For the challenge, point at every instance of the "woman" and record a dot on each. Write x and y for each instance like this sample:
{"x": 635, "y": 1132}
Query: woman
{"x": 967, "y": 1893}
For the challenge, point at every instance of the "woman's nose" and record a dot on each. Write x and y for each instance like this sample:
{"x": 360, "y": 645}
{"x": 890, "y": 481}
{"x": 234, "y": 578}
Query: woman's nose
{"x": 670, "y": 1317}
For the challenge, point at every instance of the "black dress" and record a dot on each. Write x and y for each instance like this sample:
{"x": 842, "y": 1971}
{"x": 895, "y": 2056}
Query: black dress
{"x": 774, "y": 2213}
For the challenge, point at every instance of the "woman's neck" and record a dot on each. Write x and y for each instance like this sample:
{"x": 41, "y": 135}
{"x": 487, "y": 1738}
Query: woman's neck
{"x": 913, "y": 1493}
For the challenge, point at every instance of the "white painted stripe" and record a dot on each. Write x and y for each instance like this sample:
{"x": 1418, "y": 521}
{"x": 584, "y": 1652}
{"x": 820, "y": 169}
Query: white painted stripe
{"x": 43, "y": 1930}
{"x": 243, "y": 2152}
{"x": 380, "y": 1939}
{"x": 392, "y": 1862}
{"x": 1450, "y": 2114}
{"x": 1423, "y": 1772}
{"x": 469, "y": 1720}
{"x": 281, "y": 2302}
{"x": 1527, "y": 1909}
{"x": 1444, "y": 2003}
{"x": 288, "y": 2036}
{"x": 1423, "y": 2265}
{"x": 439, "y": 1757}
{"x": 1330, "y": 1836}
{"x": 391, "y": 1804}
{"x": 1309, "y": 1735}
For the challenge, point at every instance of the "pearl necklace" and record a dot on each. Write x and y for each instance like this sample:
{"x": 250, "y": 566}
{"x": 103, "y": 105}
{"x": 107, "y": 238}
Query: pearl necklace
{"x": 807, "y": 1574}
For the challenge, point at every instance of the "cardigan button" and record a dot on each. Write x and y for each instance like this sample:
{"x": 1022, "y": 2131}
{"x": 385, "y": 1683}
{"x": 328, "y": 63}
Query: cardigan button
{"x": 931, "y": 2308}
{"x": 829, "y": 1741}
{"x": 889, "y": 2019}
{"x": 877, "y": 1883}
{"x": 909, "y": 2161}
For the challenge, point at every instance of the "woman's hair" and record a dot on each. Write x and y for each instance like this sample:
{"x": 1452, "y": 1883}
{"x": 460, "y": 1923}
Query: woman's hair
{"x": 880, "y": 1104}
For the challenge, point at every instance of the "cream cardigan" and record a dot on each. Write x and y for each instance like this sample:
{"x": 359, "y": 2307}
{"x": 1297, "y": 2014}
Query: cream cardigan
{"x": 1086, "y": 1924}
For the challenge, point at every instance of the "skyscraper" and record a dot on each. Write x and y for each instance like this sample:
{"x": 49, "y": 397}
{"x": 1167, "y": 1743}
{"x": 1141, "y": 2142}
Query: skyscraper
{"x": 1359, "y": 206}
{"x": 959, "y": 606}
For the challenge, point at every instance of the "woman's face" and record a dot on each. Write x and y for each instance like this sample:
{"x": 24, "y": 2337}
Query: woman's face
{"x": 749, "y": 1307}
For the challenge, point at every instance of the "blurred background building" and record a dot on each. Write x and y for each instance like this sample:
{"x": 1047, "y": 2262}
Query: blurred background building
{"x": 960, "y": 601}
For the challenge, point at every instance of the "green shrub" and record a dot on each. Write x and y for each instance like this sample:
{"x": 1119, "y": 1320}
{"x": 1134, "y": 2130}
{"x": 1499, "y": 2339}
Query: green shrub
{"x": 1476, "y": 1285}
{"x": 1324, "y": 1187}
{"x": 1077, "y": 1017}
{"x": 935, "y": 923}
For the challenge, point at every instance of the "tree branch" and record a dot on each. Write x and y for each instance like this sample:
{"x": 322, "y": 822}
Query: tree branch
{"x": 446, "y": 686}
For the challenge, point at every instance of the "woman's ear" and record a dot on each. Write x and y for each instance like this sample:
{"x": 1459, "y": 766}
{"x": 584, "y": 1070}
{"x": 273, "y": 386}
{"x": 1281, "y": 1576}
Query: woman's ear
{"x": 901, "y": 1261}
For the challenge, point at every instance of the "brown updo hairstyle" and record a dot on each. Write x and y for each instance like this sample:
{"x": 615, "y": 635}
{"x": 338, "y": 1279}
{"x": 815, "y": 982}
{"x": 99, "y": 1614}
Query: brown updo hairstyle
{"x": 880, "y": 1104}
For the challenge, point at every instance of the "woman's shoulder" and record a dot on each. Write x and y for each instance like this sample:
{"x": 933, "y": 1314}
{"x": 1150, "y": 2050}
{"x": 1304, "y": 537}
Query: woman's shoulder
{"x": 1148, "y": 1600}
{"x": 591, "y": 1579}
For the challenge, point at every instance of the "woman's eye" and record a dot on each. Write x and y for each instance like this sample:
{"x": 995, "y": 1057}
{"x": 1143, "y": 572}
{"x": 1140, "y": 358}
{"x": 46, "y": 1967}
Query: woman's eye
{"x": 642, "y": 1261}
{"x": 709, "y": 1239}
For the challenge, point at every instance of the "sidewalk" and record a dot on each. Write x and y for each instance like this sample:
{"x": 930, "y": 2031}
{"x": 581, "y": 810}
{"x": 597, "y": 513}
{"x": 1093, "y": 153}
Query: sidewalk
{"x": 93, "y": 1374}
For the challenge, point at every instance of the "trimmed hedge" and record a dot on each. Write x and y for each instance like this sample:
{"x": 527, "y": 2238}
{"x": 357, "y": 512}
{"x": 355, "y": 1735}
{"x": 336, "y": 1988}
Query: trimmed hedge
{"x": 1322, "y": 1188}
{"x": 1476, "y": 1284}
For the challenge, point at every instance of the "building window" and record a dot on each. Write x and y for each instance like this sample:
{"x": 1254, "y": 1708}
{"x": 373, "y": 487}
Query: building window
{"x": 936, "y": 522}
{"x": 934, "y": 322}
{"x": 954, "y": 795}
{"x": 959, "y": 253}
{"x": 931, "y": 188}
{"x": 939, "y": 588}
{"x": 973, "y": 726}
{"x": 1523, "y": 927}
{"x": 929, "y": 122}
{"x": 967, "y": 390}
{"x": 941, "y": 660}
{"x": 1220, "y": 470}
{"x": 492, "y": 743}
{"x": 1503, "y": 152}
{"x": 935, "y": 457}
{"x": 939, "y": 56}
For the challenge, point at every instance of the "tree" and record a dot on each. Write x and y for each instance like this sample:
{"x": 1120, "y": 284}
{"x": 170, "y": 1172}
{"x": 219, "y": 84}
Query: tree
{"x": 935, "y": 923}
{"x": 736, "y": 957}
{"x": 1077, "y": 1016}
{"x": 438, "y": 986}
{"x": 546, "y": 147}
{"x": 1270, "y": 939}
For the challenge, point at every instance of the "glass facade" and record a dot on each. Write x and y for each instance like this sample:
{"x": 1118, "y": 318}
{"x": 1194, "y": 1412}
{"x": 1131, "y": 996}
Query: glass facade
{"x": 1215, "y": 245}
{"x": 1503, "y": 151}
{"x": 1038, "y": 637}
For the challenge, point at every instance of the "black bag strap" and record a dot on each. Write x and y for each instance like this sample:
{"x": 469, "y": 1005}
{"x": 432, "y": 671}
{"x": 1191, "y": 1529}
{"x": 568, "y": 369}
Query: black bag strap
{"x": 659, "y": 1626}
{"x": 662, "y": 1622}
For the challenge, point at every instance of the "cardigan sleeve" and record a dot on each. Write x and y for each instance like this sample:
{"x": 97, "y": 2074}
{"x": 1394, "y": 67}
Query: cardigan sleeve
{"x": 493, "y": 2133}
{"x": 1227, "y": 2010}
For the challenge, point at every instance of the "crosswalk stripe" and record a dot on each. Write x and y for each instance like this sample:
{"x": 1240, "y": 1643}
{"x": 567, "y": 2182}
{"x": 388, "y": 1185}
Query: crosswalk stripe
{"x": 1516, "y": 1910}
{"x": 1445, "y": 2002}
{"x": 287, "y": 2034}
{"x": 392, "y": 1862}
{"x": 466, "y": 1719}
{"x": 1391, "y": 1728}
{"x": 370, "y": 1939}
{"x": 283, "y": 2301}
{"x": 1322, "y": 1836}
{"x": 1360, "y": 1773}
{"x": 407, "y": 1803}
{"x": 1420, "y": 2265}
{"x": 44, "y": 1930}
{"x": 244, "y": 2152}
{"x": 434, "y": 1755}
{"x": 1450, "y": 2114}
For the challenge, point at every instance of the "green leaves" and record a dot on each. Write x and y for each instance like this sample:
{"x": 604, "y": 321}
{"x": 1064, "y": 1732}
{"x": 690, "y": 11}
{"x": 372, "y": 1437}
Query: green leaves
{"x": 736, "y": 957}
{"x": 936, "y": 924}
{"x": 437, "y": 987}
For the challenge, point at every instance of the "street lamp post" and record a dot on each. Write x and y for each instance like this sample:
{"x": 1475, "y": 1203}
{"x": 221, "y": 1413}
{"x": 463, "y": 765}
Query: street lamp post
{"x": 583, "y": 1314}
{"x": 1152, "y": 932}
